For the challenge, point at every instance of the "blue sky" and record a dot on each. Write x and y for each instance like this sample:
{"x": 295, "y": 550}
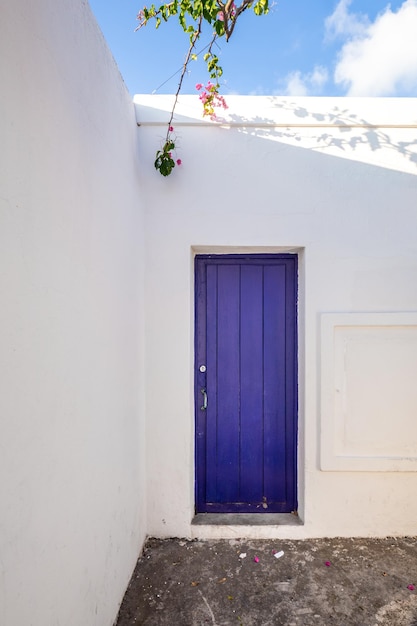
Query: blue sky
{"x": 302, "y": 47}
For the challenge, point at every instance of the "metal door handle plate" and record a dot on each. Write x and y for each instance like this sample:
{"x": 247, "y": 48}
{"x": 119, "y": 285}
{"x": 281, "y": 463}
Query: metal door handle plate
{"x": 204, "y": 392}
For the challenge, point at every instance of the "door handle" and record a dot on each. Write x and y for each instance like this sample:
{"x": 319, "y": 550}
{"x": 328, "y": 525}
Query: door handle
{"x": 204, "y": 392}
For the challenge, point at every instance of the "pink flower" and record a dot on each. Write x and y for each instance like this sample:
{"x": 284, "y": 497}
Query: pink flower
{"x": 256, "y": 559}
{"x": 171, "y": 129}
{"x": 198, "y": 86}
{"x": 410, "y": 587}
{"x": 327, "y": 563}
{"x": 179, "y": 161}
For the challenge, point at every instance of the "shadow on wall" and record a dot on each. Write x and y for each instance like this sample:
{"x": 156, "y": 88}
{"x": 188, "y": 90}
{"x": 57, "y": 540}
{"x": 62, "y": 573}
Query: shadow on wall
{"x": 317, "y": 131}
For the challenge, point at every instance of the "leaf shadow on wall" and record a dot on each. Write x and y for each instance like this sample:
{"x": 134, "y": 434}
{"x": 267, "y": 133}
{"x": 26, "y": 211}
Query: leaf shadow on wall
{"x": 338, "y": 130}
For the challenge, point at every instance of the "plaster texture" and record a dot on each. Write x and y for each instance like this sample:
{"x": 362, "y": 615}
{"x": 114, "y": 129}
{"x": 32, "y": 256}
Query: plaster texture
{"x": 349, "y": 582}
{"x": 72, "y": 471}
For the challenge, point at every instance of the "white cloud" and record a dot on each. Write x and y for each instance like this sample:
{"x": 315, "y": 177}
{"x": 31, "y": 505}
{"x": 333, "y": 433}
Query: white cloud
{"x": 343, "y": 23}
{"x": 379, "y": 58}
{"x": 319, "y": 76}
{"x": 295, "y": 85}
{"x": 298, "y": 84}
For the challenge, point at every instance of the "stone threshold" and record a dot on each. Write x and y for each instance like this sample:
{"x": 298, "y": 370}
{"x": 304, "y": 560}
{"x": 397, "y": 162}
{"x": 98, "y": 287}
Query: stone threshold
{"x": 246, "y": 519}
{"x": 214, "y": 526}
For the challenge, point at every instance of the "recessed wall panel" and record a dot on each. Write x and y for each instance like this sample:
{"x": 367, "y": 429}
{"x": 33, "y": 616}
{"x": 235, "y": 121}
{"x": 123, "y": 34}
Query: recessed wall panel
{"x": 369, "y": 392}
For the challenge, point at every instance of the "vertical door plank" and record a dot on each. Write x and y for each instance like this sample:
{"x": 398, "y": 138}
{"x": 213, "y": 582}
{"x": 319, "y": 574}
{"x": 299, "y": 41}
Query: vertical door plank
{"x": 200, "y": 380}
{"x": 211, "y": 375}
{"x": 291, "y": 387}
{"x": 251, "y": 384}
{"x": 275, "y": 380}
{"x": 228, "y": 400}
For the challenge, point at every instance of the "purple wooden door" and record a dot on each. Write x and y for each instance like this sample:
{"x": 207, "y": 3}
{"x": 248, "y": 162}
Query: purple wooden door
{"x": 246, "y": 383}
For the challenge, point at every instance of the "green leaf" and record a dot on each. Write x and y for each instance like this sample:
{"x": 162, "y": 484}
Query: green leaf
{"x": 261, "y": 7}
{"x": 198, "y": 8}
{"x": 194, "y": 57}
{"x": 219, "y": 27}
{"x": 182, "y": 21}
{"x": 207, "y": 16}
{"x": 212, "y": 64}
{"x": 164, "y": 163}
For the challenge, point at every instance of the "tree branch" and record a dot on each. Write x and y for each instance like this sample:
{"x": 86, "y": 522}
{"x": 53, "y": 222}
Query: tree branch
{"x": 193, "y": 42}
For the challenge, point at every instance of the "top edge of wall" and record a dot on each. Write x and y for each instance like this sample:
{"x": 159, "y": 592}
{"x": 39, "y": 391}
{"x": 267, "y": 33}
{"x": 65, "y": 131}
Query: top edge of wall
{"x": 152, "y": 109}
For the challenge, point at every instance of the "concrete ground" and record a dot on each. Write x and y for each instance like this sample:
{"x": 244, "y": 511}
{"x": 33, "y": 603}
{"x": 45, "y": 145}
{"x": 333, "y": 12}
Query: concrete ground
{"x": 345, "y": 582}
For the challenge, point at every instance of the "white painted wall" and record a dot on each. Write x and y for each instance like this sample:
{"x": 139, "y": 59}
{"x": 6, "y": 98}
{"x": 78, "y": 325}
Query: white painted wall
{"x": 336, "y": 181}
{"x": 72, "y": 518}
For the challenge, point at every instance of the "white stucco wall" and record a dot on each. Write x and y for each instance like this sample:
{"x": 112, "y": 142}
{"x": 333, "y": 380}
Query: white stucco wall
{"x": 72, "y": 518}
{"x": 334, "y": 180}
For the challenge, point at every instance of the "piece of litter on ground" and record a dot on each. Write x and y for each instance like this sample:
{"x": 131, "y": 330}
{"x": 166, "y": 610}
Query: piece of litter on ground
{"x": 304, "y": 611}
{"x": 327, "y": 563}
{"x": 410, "y": 587}
{"x": 256, "y": 559}
{"x": 194, "y": 583}
{"x": 242, "y": 555}
{"x": 222, "y": 580}
{"x": 279, "y": 554}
